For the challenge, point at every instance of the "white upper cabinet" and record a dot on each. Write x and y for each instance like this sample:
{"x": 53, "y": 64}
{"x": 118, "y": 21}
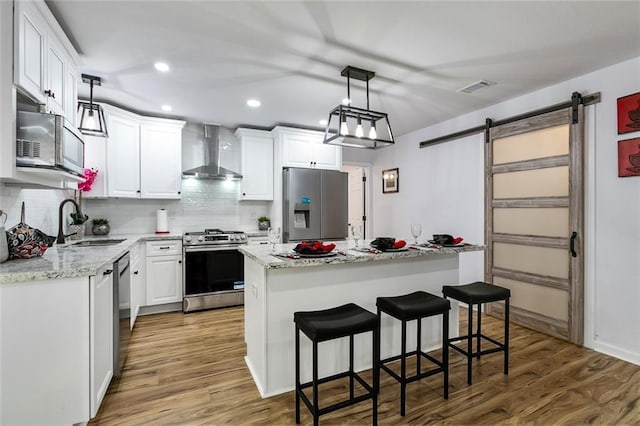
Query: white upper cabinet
{"x": 29, "y": 53}
{"x": 141, "y": 157}
{"x": 160, "y": 160}
{"x": 45, "y": 63}
{"x": 304, "y": 148}
{"x": 123, "y": 155}
{"x": 257, "y": 164}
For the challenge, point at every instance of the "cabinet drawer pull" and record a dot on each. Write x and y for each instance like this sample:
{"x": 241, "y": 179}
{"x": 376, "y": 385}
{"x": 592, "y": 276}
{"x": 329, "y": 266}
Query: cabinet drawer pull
{"x": 135, "y": 272}
{"x": 50, "y": 94}
{"x": 107, "y": 272}
{"x": 165, "y": 248}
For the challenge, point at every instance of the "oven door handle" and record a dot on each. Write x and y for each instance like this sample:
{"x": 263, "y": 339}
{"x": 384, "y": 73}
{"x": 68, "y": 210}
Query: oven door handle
{"x": 208, "y": 248}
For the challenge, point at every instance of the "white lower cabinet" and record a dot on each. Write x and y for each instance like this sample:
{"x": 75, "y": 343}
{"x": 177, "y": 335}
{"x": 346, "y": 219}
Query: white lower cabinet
{"x": 46, "y": 356}
{"x": 138, "y": 291}
{"x": 164, "y": 272}
{"x": 101, "y": 339}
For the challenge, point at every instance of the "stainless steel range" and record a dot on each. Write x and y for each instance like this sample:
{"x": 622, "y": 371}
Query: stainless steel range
{"x": 213, "y": 269}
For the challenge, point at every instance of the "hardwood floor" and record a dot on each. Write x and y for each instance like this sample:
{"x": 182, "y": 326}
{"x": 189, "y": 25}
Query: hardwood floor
{"x": 189, "y": 369}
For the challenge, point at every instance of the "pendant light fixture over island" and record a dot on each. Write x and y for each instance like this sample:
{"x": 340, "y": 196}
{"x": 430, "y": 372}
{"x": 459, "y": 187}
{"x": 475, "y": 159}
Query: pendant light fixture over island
{"x": 357, "y": 127}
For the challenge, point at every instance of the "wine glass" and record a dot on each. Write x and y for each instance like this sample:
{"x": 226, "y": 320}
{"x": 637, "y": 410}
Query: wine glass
{"x": 273, "y": 234}
{"x": 416, "y": 231}
{"x": 356, "y": 233}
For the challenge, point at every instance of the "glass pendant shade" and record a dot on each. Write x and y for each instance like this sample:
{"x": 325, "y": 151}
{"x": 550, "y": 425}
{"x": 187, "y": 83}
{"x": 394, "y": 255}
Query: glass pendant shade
{"x": 345, "y": 117}
{"x": 91, "y": 116}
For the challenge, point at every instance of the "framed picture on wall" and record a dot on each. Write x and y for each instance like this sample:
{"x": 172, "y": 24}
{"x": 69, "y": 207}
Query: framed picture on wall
{"x": 629, "y": 113}
{"x": 390, "y": 181}
{"x": 629, "y": 157}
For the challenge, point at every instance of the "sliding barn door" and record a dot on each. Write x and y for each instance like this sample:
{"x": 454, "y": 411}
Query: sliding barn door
{"x": 534, "y": 229}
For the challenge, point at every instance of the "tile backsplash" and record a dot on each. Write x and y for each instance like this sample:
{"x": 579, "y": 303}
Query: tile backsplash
{"x": 204, "y": 204}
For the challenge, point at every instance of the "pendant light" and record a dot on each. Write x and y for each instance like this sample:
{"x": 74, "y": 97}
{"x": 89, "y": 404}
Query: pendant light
{"x": 91, "y": 115}
{"x": 344, "y": 126}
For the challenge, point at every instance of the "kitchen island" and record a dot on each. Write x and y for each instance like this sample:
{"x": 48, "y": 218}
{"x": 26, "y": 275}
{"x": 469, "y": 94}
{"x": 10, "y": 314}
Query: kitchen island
{"x": 276, "y": 287}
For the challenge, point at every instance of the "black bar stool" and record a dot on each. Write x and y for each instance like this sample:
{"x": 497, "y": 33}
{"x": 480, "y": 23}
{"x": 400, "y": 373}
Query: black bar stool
{"x": 329, "y": 324}
{"x": 415, "y": 306}
{"x": 478, "y": 293}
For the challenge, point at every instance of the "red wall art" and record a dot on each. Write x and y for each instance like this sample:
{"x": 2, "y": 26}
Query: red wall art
{"x": 629, "y": 157}
{"x": 629, "y": 113}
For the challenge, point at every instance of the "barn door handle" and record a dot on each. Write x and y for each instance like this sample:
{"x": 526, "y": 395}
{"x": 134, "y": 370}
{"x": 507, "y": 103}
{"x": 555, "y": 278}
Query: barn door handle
{"x": 572, "y": 244}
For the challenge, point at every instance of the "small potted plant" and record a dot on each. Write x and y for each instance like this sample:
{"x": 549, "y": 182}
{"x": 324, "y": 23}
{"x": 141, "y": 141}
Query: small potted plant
{"x": 100, "y": 226}
{"x": 263, "y": 223}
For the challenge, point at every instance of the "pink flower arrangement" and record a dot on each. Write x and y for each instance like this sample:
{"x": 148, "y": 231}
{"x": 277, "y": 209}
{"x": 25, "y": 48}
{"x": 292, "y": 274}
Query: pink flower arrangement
{"x": 89, "y": 176}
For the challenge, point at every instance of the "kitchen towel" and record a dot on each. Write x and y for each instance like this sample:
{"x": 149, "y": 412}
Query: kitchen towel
{"x": 162, "y": 223}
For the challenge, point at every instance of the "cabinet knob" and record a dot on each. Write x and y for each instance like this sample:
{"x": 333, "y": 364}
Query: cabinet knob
{"x": 179, "y": 192}
{"x": 244, "y": 193}
{"x": 107, "y": 272}
{"x": 179, "y": 261}
{"x": 138, "y": 191}
{"x": 135, "y": 272}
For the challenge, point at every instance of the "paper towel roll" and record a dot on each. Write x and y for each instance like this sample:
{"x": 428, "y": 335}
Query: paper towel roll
{"x": 162, "y": 223}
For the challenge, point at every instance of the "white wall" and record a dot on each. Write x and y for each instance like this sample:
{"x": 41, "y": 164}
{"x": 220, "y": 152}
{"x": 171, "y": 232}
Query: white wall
{"x": 442, "y": 187}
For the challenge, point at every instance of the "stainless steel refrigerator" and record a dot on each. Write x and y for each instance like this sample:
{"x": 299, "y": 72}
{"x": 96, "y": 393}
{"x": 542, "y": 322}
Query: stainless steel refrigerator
{"x": 315, "y": 204}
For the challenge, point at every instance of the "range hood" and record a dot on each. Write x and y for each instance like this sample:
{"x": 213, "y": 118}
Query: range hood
{"x": 211, "y": 168}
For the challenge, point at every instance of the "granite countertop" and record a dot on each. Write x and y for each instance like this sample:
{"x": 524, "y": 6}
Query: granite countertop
{"x": 346, "y": 253}
{"x": 68, "y": 261}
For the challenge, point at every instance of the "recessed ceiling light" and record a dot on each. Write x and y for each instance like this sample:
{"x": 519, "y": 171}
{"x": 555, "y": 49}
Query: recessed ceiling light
{"x": 323, "y": 122}
{"x": 253, "y": 103}
{"x": 161, "y": 66}
{"x": 166, "y": 108}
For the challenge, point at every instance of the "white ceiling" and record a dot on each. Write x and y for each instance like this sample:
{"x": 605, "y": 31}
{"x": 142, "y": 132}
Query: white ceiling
{"x": 289, "y": 54}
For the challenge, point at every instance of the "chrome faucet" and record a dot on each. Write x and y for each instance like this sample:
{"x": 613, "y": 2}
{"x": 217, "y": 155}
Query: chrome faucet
{"x": 79, "y": 217}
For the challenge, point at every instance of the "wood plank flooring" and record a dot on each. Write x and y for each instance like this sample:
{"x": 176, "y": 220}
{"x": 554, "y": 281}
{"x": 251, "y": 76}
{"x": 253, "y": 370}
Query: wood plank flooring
{"x": 189, "y": 370}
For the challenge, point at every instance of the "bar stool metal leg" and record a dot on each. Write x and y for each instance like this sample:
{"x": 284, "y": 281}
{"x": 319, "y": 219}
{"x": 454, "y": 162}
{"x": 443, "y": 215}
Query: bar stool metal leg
{"x": 351, "y": 366}
{"x": 445, "y": 352}
{"x": 469, "y": 342}
{"x": 479, "y": 342}
{"x": 376, "y": 372}
{"x": 298, "y": 390}
{"x": 506, "y": 336}
{"x": 316, "y": 414}
{"x": 403, "y": 368}
{"x": 418, "y": 346}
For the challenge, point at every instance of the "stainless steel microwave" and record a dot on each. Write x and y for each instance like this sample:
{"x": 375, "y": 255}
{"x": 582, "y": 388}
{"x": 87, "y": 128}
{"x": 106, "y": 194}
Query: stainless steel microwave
{"x": 48, "y": 141}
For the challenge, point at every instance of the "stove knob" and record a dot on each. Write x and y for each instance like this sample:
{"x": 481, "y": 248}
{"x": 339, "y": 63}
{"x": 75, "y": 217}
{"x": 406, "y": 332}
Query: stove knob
{"x": 243, "y": 236}
{"x": 233, "y": 238}
{"x": 201, "y": 238}
{"x": 187, "y": 238}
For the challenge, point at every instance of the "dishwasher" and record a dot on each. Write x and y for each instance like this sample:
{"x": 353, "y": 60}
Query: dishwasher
{"x": 121, "y": 312}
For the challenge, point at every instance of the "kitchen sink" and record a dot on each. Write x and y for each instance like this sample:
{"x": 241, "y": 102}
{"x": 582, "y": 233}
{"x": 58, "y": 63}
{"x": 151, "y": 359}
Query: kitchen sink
{"x": 98, "y": 243}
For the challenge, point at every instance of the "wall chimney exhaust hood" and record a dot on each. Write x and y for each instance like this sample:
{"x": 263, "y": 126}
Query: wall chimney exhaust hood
{"x": 211, "y": 168}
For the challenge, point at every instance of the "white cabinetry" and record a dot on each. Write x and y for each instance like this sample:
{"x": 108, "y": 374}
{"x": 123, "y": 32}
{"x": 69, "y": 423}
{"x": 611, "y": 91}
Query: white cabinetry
{"x": 44, "y": 59}
{"x": 160, "y": 159}
{"x": 138, "y": 284}
{"x": 304, "y": 148}
{"x": 123, "y": 154}
{"x": 257, "y": 164}
{"x": 45, "y": 352}
{"x": 164, "y": 271}
{"x": 141, "y": 158}
{"x": 24, "y": 39}
{"x": 101, "y": 339}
